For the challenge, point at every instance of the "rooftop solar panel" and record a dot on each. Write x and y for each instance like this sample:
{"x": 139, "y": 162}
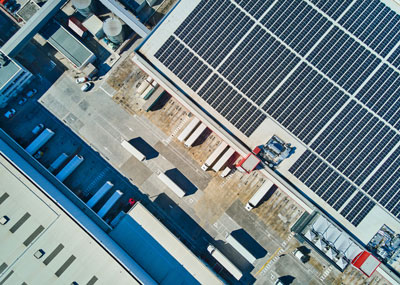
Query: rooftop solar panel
{"x": 325, "y": 71}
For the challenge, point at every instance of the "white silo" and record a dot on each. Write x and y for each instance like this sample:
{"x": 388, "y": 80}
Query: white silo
{"x": 84, "y": 7}
{"x": 112, "y": 27}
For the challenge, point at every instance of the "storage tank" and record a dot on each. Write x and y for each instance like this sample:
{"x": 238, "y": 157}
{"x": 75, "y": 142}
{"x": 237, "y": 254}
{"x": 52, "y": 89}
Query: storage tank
{"x": 84, "y": 7}
{"x": 112, "y": 27}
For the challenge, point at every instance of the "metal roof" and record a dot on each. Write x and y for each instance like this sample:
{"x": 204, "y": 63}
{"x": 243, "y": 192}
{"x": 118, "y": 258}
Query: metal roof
{"x": 7, "y": 72}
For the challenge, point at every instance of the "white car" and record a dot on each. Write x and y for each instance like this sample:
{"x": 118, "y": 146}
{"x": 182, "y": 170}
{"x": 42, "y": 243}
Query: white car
{"x": 9, "y": 114}
{"x": 81, "y": 80}
{"x": 86, "y": 87}
{"x": 31, "y": 93}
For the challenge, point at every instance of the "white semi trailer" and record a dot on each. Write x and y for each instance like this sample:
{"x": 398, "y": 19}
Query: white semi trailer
{"x": 223, "y": 160}
{"x": 189, "y": 129}
{"x": 40, "y": 141}
{"x": 69, "y": 168}
{"x": 58, "y": 162}
{"x": 110, "y": 202}
{"x": 214, "y": 156}
{"x": 225, "y": 262}
{"x": 195, "y": 135}
{"x": 134, "y": 151}
{"x": 241, "y": 249}
{"x": 172, "y": 185}
{"x": 257, "y": 197}
{"x": 99, "y": 194}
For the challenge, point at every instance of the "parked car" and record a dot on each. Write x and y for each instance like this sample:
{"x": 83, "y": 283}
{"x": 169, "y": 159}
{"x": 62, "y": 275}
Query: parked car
{"x": 10, "y": 113}
{"x": 22, "y": 101}
{"x": 37, "y": 129}
{"x": 31, "y": 93}
{"x": 87, "y": 86}
{"x": 81, "y": 80}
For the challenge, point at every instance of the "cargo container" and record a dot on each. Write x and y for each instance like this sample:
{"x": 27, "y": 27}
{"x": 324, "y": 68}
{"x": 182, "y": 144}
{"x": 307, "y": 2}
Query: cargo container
{"x": 223, "y": 160}
{"x": 217, "y": 153}
{"x": 110, "y": 202}
{"x": 195, "y": 135}
{"x": 171, "y": 185}
{"x": 225, "y": 262}
{"x": 132, "y": 150}
{"x": 99, "y": 194}
{"x": 147, "y": 93}
{"x": 75, "y": 25}
{"x": 257, "y": 197}
{"x": 241, "y": 249}
{"x": 40, "y": 141}
{"x": 69, "y": 168}
{"x": 189, "y": 129}
{"x": 58, "y": 162}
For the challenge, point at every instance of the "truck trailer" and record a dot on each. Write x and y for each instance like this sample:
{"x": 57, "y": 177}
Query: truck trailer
{"x": 214, "y": 156}
{"x": 99, "y": 194}
{"x": 195, "y": 135}
{"x": 110, "y": 202}
{"x": 171, "y": 185}
{"x": 225, "y": 262}
{"x": 189, "y": 129}
{"x": 69, "y": 168}
{"x": 223, "y": 160}
{"x": 241, "y": 249}
{"x": 40, "y": 141}
{"x": 133, "y": 150}
{"x": 257, "y": 197}
{"x": 58, "y": 162}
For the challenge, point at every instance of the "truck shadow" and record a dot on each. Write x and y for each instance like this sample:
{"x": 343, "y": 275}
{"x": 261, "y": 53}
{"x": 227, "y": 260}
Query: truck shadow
{"x": 141, "y": 145}
{"x": 181, "y": 180}
{"x": 249, "y": 243}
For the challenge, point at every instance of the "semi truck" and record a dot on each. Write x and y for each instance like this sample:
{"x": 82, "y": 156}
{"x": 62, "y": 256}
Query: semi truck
{"x": 40, "y": 141}
{"x": 241, "y": 249}
{"x": 171, "y": 185}
{"x": 257, "y": 197}
{"x": 58, "y": 162}
{"x": 189, "y": 129}
{"x": 223, "y": 160}
{"x": 110, "y": 202}
{"x": 195, "y": 135}
{"x": 214, "y": 156}
{"x": 99, "y": 194}
{"x": 225, "y": 262}
{"x": 69, "y": 168}
{"x": 132, "y": 150}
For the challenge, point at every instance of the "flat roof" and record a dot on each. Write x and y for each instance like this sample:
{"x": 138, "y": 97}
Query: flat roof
{"x": 37, "y": 223}
{"x": 8, "y": 71}
{"x": 152, "y": 244}
{"x": 265, "y": 68}
{"x": 66, "y": 43}
{"x": 42, "y": 217}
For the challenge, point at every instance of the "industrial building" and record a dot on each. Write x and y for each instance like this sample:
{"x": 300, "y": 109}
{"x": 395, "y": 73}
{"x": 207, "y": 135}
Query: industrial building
{"x": 48, "y": 231}
{"x": 13, "y": 78}
{"x": 311, "y": 85}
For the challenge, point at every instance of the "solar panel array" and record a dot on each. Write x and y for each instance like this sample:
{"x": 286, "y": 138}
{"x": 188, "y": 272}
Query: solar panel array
{"x": 326, "y": 71}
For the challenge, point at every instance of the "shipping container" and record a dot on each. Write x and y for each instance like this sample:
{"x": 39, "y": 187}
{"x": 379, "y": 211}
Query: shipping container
{"x": 110, "y": 202}
{"x": 99, "y": 194}
{"x": 40, "y": 141}
{"x": 189, "y": 129}
{"x": 171, "y": 185}
{"x": 195, "y": 135}
{"x": 225, "y": 262}
{"x": 217, "y": 153}
{"x": 69, "y": 168}
{"x": 132, "y": 150}
{"x": 241, "y": 249}
{"x": 257, "y": 197}
{"x": 58, "y": 162}
{"x": 223, "y": 160}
